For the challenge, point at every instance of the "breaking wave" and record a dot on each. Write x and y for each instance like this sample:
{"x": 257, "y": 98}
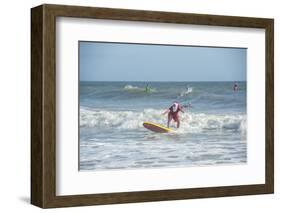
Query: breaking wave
{"x": 190, "y": 122}
{"x": 130, "y": 87}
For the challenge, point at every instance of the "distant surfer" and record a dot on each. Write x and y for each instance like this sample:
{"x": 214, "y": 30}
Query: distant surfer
{"x": 173, "y": 113}
{"x": 235, "y": 87}
{"x": 147, "y": 88}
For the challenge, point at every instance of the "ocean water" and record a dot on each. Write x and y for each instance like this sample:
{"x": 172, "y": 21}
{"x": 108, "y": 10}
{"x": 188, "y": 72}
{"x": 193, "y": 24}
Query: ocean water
{"x": 213, "y": 130}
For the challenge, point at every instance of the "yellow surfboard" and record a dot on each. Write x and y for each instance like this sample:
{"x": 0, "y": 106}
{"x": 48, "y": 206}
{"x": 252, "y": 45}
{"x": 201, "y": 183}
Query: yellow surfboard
{"x": 156, "y": 127}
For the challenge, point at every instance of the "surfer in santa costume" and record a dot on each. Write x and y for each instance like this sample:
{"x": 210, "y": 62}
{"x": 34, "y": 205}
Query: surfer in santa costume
{"x": 173, "y": 113}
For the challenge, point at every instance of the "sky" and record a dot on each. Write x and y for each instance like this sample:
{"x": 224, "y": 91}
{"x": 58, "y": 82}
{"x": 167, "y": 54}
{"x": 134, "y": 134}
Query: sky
{"x": 101, "y": 61}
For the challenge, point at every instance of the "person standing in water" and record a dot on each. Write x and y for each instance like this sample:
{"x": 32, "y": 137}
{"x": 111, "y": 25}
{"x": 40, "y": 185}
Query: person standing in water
{"x": 235, "y": 87}
{"x": 147, "y": 88}
{"x": 173, "y": 113}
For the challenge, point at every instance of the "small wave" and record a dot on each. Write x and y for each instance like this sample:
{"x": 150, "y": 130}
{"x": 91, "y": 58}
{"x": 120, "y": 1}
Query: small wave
{"x": 130, "y": 87}
{"x": 190, "y": 122}
{"x": 139, "y": 89}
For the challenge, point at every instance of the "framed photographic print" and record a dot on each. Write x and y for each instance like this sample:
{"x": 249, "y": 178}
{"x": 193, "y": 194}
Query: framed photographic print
{"x": 136, "y": 106}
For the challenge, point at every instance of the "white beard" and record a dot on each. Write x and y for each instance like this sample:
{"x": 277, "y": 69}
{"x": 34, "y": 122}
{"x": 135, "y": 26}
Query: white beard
{"x": 175, "y": 107}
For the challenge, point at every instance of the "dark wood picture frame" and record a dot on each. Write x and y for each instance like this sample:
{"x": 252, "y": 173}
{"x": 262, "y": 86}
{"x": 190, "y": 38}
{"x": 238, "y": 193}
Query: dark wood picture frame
{"x": 43, "y": 105}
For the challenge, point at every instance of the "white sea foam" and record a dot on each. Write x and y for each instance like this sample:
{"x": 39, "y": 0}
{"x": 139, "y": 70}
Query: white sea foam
{"x": 189, "y": 121}
{"x": 130, "y": 87}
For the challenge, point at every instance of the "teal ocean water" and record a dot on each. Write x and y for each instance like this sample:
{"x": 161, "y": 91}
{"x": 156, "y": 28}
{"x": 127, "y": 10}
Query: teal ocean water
{"x": 213, "y": 130}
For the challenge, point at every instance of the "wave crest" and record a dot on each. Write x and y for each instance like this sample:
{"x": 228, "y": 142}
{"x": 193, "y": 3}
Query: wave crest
{"x": 130, "y": 87}
{"x": 133, "y": 120}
